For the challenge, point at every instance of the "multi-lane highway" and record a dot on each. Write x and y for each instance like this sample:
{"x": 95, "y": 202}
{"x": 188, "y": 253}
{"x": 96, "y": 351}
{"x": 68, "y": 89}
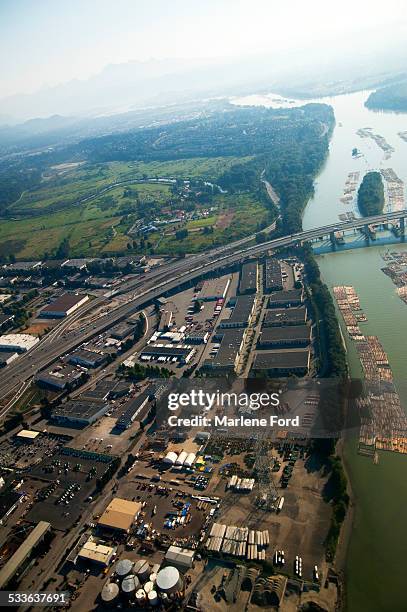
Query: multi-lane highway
{"x": 156, "y": 283}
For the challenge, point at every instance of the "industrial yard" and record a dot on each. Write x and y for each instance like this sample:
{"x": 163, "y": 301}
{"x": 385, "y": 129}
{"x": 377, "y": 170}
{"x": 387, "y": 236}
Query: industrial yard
{"x": 142, "y": 513}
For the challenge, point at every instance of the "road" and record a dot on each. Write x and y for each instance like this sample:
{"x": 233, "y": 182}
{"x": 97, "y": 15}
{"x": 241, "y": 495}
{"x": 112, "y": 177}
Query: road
{"x": 155, "y": 284}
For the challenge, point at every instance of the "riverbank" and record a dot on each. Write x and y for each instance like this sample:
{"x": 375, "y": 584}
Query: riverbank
{"x": 376, "y": 530}
{"x": 371, "y": 548}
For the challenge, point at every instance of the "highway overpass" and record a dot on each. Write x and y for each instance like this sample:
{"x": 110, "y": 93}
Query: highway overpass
{"x": 164, "y": 279}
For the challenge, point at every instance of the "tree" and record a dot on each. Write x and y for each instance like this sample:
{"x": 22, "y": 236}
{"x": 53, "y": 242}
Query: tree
{"x": 197, "y": 306}
{"x": 63, "y": 249}
{"x": 181, "y": 234}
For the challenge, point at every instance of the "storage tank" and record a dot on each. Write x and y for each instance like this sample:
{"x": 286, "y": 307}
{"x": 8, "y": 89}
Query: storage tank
{"x": 182, "y": 456}
{"x": 153, "y": 577}
{"x": 142, "y": 569}
{"x": 190, "y": 460}
{"x": 169, "y": 580}
{"x": 170, "y": 458}
{"x": 140, "y": 597}
{"x": 123, "y": 567}
{"x": 130, "y": 584}
{"x": 110, "y": 593}
{"x": 153, "y": 598}
{"x": 149, "y": 586}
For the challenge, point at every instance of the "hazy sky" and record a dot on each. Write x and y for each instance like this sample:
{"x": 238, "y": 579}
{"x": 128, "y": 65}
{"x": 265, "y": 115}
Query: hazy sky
{"x": 45, "y": 42}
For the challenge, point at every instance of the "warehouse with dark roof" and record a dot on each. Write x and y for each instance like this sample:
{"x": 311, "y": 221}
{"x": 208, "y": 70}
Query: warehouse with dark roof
{"x": 294, "y": 336}
{"x": 285, "y": 316}
{"x": 63, "y": 306}
{"x": 248, "y": 278}
{"x": 241, "y": 313}
{"x": 231, "y": 341}
{"x": 286, "y": 299}
{"x": 88, "y": 359}
{"x": 136, "y": 409}
{"x": 273, "y": 280}
{"x": 79, "y": 413}
{"x": 282, "y": 363}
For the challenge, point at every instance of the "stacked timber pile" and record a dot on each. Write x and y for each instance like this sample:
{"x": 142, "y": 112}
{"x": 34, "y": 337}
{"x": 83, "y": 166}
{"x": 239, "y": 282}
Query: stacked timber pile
{"x": 238, "y": 541}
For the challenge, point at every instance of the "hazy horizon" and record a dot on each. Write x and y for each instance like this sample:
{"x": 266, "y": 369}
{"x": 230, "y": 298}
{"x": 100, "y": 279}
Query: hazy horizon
{"x": 66, "y": 57}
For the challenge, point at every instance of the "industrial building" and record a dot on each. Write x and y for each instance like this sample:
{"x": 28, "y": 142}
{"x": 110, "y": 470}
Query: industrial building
{"x": 248, "y": 278}
{"x": 19, "y": 343}
{"x": 182, "y": 558}
{"x": 241, "y": 313}
{"x": 27, "y": 435}
{"x": 197, "y": 337}
{"x": 286, "y": 299}
{"x": 285, "y": 316}
{"x": 203, "y": 436}
{"x": 182, "y": 354}
{"x": 294, "y": 336}
{"x": 119, "y": 515}
{"x": 63, "y": 306}
{"x": 107, "y": 389}
{"x": 7, "y": 357}
{"x": 60, "y": 377}
{"x": 121, "y": 331}
{"x": 78, "y": 413}
{"x": 136, "y": 409}
{"x": 22, "y": 266}
{"x": 88, "y": 359}
{"x": 282, "y": 363}
{"x": 273, "y": 279}
{"x": 214, "y": 289}
{"x": 97, "y": 553}
{"x": 231, "y": 341}
{"x": 8, "y": 503}
{"x": 23, "y": 552}
{"x": 76, "y": 264}
{"x": 6, "y": 320}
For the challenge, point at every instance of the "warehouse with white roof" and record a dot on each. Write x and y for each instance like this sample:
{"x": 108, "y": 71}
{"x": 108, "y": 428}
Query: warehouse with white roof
{"x": 17, "y": 342}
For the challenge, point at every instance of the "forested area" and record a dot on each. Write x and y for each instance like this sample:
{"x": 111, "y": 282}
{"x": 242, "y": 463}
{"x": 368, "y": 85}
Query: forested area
{"x": 288, "y": 144}
{"x": 390, "y": 98}
{"x": 371, "y": 194}
{"x": 329, "y": 331}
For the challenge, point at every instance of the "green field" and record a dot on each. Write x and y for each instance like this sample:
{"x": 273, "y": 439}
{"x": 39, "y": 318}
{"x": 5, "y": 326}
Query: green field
{"x": 67, "y": 188}
{"x": 68, "y": 205}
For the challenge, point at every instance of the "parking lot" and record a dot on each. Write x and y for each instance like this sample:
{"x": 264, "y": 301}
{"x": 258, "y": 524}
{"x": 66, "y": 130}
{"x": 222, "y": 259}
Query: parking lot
{"x": 71, "y": 481}
{"x": 19, "y": 454}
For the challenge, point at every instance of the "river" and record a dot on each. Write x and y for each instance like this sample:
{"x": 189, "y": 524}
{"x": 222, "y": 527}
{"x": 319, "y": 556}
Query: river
{"x": 375, "y": 566}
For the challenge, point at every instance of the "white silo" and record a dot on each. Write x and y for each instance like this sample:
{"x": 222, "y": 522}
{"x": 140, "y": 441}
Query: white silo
{"x": 190, "y": 460}
{"x": 182, "y": 456}
{"x": 169, "y": 580}
{"x": 170, "y": 458}
{"x": 110, "y": 593}
{"x": 123, "y": 567}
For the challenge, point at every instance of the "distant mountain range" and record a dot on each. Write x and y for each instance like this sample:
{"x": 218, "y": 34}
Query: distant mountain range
{"x": 124, "y": 96}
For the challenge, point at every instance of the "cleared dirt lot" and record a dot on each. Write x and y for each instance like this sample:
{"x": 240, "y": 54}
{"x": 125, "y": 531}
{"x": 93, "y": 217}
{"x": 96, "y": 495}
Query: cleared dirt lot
{"x": 295, "y": 529}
